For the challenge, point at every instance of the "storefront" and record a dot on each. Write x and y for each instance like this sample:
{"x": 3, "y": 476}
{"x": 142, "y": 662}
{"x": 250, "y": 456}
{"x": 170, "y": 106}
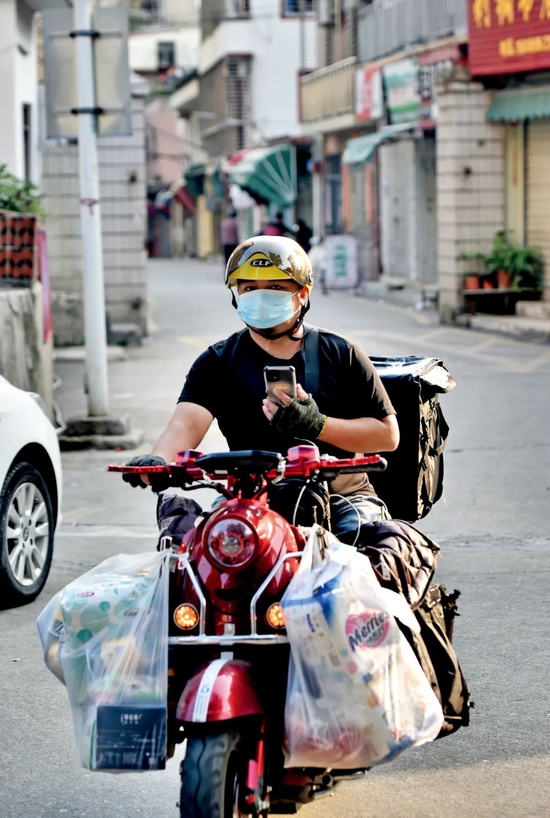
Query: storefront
{"x": 512, "y": 51}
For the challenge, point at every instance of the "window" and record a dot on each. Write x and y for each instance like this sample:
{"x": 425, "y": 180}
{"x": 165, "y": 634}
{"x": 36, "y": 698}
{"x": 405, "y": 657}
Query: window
{"x": 166, "y": 55}
{"x": 238, "y": 95}
{"x": 298, "y": 7}
{"x": 237, "y": 8}
{"x": 27, "y": 140}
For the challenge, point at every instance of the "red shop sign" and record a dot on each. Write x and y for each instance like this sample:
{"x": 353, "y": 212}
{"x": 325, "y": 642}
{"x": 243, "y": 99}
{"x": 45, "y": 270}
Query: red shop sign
{"x": 508, "y": 36}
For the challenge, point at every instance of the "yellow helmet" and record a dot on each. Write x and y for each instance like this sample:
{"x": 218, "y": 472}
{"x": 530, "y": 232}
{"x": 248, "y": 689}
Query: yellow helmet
{"x": 267, "y": 258}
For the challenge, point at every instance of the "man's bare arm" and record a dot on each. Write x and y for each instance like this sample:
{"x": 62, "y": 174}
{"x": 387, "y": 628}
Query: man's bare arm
{"x": 367, "y": 435}
{"x": 186, "y": 430}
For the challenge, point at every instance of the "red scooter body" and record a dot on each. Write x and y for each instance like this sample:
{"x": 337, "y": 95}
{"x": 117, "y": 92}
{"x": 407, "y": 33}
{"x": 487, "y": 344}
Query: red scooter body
{"x": 228, "y": 647}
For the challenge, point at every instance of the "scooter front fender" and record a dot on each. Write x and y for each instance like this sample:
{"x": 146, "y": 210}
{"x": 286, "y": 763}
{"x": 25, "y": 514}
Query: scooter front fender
{"x": 220, "y": 691}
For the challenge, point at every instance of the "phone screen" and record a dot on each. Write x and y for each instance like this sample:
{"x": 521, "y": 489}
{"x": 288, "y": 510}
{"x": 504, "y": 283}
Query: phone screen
{"x": 280, "y": 377}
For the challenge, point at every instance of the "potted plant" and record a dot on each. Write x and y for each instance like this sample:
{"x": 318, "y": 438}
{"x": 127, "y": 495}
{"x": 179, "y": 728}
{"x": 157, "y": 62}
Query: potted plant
{"x": 526, "y": 268}
{"x": 471, "y": 281}
{"x": 508, "y": 265}
{"x": 18, "y": 196}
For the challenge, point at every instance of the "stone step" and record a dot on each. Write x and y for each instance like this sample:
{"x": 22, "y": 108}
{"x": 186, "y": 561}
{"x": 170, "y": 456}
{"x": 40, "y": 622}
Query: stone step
{"x": 124, "y": 334}
{"x": 533, "y": 309}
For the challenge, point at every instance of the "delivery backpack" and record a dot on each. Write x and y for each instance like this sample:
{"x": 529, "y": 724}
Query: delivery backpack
{"x": 413, "y": 481}
{"x": 404, "y": 560}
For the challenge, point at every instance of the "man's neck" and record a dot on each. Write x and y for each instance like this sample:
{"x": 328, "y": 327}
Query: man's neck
{"x": 284, "y": 347}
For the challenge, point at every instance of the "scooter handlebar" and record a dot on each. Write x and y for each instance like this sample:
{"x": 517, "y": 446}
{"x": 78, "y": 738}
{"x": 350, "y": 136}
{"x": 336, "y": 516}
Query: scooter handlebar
{"x": 183, "y": 474}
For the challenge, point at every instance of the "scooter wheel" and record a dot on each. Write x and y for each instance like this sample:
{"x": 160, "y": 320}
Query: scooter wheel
{"x": 210, "y": 776}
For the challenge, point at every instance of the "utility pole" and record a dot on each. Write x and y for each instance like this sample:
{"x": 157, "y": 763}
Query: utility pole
{"x": 90, "y": 215}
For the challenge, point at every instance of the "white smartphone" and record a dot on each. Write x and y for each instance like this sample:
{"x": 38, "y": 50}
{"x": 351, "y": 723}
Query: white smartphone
{"x": 280, "y": 377}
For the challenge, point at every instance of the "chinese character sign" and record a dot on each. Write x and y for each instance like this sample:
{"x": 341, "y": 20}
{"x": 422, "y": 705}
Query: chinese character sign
{"x": 369, "y": 97}
{"x": 508, "y": 36}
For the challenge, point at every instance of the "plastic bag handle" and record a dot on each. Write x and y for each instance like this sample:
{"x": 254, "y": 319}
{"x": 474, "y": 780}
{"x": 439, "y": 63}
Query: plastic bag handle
{"x": 312, "y": 554}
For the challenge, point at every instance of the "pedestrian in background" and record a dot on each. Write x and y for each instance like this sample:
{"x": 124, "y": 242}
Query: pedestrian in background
{"x": 277, "y": 227}
{"x": 318, "y": 258}
{"x": 303, "y": 234}
{"x": 229, "y": 234}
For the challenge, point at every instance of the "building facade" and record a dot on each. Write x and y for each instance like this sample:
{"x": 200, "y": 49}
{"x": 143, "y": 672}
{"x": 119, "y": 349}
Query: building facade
{"x": 374, "y": 113}
{"x": 19, "y": 131}
{"x": 245, "y": 97}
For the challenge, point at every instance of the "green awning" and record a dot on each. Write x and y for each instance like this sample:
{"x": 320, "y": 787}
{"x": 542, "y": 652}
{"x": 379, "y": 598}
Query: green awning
{"x": 269, "y": 173}
{"x": 520, "y": 105}
{"x": 194, "y": 177}
{"x": 362, "y": 148}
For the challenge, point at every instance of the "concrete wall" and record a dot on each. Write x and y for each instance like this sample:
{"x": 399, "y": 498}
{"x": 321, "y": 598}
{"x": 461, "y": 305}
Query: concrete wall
{"x": 25, "y": 359}
{"x": 167, "y": 146}
{"x": 123, "y": 216}
{"x": 470, "y": 185}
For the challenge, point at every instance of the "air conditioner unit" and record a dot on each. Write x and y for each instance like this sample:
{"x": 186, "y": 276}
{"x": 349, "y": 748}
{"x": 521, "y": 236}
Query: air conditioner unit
{"x": 325, "y": 12}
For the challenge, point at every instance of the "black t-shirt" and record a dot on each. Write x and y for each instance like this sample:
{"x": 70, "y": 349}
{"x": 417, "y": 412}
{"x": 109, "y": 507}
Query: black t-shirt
{"x": 228, "y": 380}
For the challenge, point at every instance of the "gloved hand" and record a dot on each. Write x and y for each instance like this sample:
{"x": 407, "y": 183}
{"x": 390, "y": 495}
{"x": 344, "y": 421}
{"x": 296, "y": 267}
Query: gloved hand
{"x": 158, "y": 482}
{"x": 300, "y": 418}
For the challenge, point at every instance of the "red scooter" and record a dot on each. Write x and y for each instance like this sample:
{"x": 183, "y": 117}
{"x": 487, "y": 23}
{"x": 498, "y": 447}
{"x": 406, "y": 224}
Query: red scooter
{"x": 228, "y": 658}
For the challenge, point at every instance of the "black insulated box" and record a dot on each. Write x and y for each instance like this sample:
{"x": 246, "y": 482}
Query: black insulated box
{"x": 413, "y": 481}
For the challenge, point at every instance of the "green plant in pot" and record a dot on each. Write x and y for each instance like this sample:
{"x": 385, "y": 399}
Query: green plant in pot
{"x": 18, "y": 195}
{"x": 526, "y": 268}
{"x": 510, "y": 266}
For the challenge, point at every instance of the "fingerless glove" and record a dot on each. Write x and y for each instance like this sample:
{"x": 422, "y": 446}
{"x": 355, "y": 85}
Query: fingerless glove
{"x": 300, "y": 419}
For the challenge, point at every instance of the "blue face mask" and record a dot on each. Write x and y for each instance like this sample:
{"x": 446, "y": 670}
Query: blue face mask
{"x": 265, "y": 309}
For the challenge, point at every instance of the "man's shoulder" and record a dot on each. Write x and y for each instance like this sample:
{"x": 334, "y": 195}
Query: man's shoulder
{"x": 333, "y": 339}
{"x": 225, "y": 346}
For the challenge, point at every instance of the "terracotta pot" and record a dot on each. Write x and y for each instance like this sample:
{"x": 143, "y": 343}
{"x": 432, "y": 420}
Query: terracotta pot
{"x": 487, "y": 284}
{"x": 504, "y": 279}
{"x": 471, "y": 282}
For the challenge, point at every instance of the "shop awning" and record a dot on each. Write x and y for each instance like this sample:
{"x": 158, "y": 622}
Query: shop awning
{"x": 269, "y": 173}
{"x": 520, "y": 105}
{"x": 194, "y": 177}
{"x": 362, "y": 148}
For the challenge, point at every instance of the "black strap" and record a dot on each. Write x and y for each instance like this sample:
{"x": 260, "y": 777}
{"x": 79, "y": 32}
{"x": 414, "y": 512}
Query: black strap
{"x": 311, "y": 355}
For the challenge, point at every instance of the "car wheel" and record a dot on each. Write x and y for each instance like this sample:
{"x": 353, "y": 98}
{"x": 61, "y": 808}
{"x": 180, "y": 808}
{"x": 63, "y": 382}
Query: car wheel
{"x": 27, "y": 528}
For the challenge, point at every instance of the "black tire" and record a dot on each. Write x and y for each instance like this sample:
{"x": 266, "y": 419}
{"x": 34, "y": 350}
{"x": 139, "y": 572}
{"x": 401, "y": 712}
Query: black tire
{"x": 209, "y": 776}
{"x": 19, "y": 587}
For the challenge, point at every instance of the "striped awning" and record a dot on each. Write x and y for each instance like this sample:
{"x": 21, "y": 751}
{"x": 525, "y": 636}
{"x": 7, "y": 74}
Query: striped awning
{"x": 268, "y": 173}
{"x": 517, "y": 106}
{"x": 362, "y": 148}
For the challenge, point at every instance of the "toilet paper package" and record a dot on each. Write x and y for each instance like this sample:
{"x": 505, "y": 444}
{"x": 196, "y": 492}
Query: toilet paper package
{"x": 357, "y": 695}
{"x": 106, "y": 637}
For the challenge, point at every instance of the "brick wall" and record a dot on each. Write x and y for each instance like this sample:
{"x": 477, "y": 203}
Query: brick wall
{"x": 470, "y": 185}
{"x": 123, "y": 216}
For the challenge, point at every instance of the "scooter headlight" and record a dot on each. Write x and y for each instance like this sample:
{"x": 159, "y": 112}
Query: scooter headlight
{"x": 231, "y": 542}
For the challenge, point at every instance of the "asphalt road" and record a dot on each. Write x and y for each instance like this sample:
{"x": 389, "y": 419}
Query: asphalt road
{"x": 492, "y": 526}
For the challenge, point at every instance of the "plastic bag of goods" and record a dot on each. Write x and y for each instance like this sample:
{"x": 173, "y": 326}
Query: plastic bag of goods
{"x": 357, "y": 695}
{"x": 106, "y": 637}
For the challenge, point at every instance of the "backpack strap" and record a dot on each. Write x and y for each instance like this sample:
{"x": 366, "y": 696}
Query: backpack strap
{"x": 311, "y": 355}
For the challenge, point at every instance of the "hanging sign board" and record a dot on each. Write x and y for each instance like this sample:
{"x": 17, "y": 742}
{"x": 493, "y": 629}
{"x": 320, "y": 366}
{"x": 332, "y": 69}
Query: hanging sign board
{"x": 111, "y": 72}
{"x": 341, "y": 262}
{"x": 508, "y": 36}
{"x": 369, "y": 97}
{"x": 402, "y": 94}
{"x": 435, "y": 68}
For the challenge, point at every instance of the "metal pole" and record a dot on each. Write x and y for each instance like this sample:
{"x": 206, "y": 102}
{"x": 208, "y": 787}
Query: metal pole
{"x": 90, "y": 217}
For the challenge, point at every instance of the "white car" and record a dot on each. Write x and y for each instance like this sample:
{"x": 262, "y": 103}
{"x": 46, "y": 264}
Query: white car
{"x": 30, "y": 494}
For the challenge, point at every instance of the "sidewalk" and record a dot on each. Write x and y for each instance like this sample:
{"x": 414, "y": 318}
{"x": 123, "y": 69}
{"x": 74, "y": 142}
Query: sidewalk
{"x": 414, "y": 295}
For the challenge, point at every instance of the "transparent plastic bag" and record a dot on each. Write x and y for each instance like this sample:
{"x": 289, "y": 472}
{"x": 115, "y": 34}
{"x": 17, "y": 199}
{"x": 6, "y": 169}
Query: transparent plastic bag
{"x": 106, "y": 637}
{"x": 357, "y": 695}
